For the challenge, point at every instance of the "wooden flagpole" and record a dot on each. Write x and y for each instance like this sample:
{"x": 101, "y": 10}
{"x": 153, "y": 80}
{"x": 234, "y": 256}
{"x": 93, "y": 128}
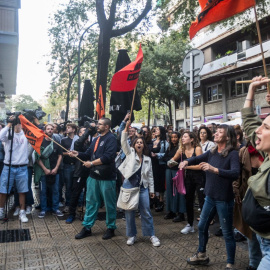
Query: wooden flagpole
{"x": 132, "y": 105}
{"x": 62, "y": 147}
{"x": 260, "y": 41}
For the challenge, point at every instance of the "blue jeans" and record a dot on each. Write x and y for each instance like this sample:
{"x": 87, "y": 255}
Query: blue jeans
{"x": 29, "y": 199}
{"x": 68, "y": 179}
{"x": 177, "y": 203}
{"x": 225, "y": 213}
{"x": 254, "y": 250}
{"x": 146, "y": 216}
{"x": 43, "y": 193}
{"x": 265, "y": 247}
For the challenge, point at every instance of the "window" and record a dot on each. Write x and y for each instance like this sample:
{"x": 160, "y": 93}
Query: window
{"x": 214, "y": 92}
{"x": 238, "y": 89}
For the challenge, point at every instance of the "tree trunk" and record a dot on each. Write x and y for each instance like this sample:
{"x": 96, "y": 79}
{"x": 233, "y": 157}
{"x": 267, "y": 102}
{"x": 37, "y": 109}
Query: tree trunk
{"x": 103, "y": 61}
{"x": 149, "y": 110}
{"x": 68, "y": 98}
{"x": 170, "y": 110}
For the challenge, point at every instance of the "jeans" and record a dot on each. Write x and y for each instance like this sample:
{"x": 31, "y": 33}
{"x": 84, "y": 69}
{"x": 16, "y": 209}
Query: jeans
{"x": 146, "y": 216}
{"x": 254, "y": 250}
{"x": 68, "y": 178}
{"x": 177, "y": 203}
{"x": 265, "y": 247}
{"x": 79, "y": 183}
{"x": 225, "y": 213}
{"x": 97, "y": 190}
{"x": 43, "y": 193}
{"x": 29, "y": 199}
{"x": 193, "y": 182}
{"x": 61, "y": 184}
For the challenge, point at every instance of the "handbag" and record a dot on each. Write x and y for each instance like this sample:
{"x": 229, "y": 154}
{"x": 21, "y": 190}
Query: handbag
{"x": 128, "y": 198}
{"x": 256, "y": 216}
{"x": 178, "y": 182}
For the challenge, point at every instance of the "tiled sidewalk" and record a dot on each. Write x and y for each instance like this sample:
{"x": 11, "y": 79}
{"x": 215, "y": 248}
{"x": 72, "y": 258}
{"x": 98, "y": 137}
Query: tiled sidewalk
{"x": 53, "y": 247}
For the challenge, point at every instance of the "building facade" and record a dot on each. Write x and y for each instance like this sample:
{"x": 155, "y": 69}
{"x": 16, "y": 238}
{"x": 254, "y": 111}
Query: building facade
{"x": 9, "y": 42}
{"x": 230, "y": 55}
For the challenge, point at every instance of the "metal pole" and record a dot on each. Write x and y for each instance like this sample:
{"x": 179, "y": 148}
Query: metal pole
{"x": 79, "y": 66}
{"x": 191, "y": 92}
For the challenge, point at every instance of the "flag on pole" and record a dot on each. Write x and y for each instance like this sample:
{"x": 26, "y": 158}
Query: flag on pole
{"x": 213, "y": 11}
{"x": 100, "y": 104}
{"x": 126, "y": 79}
{"x": 120, "y": 102}
{"x": 33, "y": 134}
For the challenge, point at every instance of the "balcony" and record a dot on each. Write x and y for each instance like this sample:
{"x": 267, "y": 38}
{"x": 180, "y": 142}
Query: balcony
{"x": 235, "y": 60}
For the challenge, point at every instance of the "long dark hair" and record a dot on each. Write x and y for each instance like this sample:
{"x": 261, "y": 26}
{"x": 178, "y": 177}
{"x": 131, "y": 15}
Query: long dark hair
{"x": 208, "y": 131}
{"x": 145, "y": 147}
{"x": 231, "y": 143}
{"x": 162, "y": 133}
{"x": 171, "y": 146}
{"x": 148, "y": 138}
{"x": 192, "y": 135}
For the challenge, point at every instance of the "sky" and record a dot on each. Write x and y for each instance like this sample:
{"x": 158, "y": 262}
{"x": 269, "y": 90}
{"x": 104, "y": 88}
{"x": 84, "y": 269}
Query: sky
{"x": 33, "y": 77}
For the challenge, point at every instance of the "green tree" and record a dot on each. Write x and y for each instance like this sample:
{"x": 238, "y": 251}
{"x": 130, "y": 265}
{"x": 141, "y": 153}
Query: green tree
{"x": 115, "y": 18}
{"x": 21, "y": 102}
{"x": 183, "y": 12}
{"x": 161, "y": 79}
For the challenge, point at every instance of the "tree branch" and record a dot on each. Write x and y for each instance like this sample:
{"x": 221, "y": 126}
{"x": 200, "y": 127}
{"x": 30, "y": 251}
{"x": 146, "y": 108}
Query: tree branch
{"x": 126, "y": 29}
{"x": 101, "y": 17}
{"x": 111, "y": 19}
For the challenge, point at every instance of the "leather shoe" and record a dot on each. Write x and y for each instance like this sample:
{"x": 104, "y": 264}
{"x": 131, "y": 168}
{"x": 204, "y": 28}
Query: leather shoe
{"x": 170, "y": 215}
{"x": 83, "y": 233}
{"x": 179, "y": 218}
{"x": 108, "y": 234}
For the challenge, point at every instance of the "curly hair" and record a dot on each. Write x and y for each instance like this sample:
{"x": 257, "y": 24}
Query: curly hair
{"x": 208, "y": 131}
{"x": 192, "y": 135}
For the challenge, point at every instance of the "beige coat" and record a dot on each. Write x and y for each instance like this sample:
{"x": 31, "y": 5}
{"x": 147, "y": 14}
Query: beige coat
{"x": 132, "y": 164}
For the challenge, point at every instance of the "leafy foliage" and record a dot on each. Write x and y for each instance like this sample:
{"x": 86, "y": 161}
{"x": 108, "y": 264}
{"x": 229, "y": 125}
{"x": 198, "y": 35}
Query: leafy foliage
{"x": 161, "y": 78}
{"x": 21, "y": 102}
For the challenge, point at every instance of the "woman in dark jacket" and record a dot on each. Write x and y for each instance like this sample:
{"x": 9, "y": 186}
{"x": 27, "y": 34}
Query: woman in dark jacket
{"x": 222, "y": 167}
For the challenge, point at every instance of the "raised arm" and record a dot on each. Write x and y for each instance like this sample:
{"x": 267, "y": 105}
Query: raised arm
{"x": 124, "y": 140}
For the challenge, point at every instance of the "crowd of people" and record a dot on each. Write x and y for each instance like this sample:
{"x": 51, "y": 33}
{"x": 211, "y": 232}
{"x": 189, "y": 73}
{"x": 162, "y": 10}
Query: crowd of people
{"x": 223, "y": 164}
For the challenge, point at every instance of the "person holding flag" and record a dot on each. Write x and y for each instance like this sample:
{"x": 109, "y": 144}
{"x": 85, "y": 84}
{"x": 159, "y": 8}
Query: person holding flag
{"x": 17, "y": 166}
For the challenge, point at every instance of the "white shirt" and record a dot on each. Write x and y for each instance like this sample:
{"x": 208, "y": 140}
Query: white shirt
{"x": 19, "y": 149}
{"x": 207, "y": 146}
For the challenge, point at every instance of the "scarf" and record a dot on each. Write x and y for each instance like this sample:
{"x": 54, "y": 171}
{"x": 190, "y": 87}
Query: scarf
{"x": 253, "y": 152}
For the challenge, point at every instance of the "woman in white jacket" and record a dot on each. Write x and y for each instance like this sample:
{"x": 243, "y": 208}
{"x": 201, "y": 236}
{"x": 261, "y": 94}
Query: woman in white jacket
{"x": 137, "y": 171}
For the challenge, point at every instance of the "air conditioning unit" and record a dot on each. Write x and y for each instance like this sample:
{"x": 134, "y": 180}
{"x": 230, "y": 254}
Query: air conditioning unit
{"x": 197, "y": 101}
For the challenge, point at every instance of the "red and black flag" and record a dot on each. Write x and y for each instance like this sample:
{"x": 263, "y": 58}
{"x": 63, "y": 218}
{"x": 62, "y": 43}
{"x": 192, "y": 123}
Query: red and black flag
{"x": 213, "y": 11}
{"x": 33, "y": 134}
{"x": 100, "y": 104}
{"x": 120, "y": 102}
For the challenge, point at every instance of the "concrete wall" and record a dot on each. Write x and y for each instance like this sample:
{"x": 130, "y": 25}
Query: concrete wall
{"x": 213, "y": 108}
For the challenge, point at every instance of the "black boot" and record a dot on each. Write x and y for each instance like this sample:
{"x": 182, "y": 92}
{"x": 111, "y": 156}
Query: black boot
{"x": 159, "y": 207}
{"x": 170, "y": 215}
{"x": 108, "y": 234}
{"x": 83, "y": 233}
{"x": 180, "y": 217}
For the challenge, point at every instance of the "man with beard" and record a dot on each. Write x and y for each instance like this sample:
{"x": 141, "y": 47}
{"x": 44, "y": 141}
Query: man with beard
{"x": 49, "y": 162}
{"x": 101, "y": 183}
{"x": 69, "y": 162}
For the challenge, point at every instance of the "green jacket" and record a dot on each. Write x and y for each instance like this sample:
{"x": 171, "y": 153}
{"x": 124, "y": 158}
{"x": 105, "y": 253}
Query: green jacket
{"x": 258, "y": 182}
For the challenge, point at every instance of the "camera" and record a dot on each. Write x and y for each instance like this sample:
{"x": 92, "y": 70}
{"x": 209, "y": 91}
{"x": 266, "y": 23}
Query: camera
{"x": 88, "y": 119}
{"x": 141, "y": 132}
{"x": 30, "y": 114}
{"x": 14, "y": 121}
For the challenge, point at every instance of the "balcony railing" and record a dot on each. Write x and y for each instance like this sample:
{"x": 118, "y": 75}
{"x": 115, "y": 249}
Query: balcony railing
{"x": 233, "y": 58}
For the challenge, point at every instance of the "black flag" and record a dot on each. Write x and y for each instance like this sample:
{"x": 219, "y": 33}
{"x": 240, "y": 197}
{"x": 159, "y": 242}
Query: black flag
{"x": 121, "y": 102}
{"x": 87, "y": 103}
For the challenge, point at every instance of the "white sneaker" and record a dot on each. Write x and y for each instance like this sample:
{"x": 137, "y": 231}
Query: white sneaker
{"x": 155, "y": 241}
{"x": 188, "y": 229}
{"x": 131, "y": 240}
{"x": 2, "y": 213}
{"x": 16, "y": 212}
{"x": 22, "y": 216}
{"x": 28, "y": 210}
